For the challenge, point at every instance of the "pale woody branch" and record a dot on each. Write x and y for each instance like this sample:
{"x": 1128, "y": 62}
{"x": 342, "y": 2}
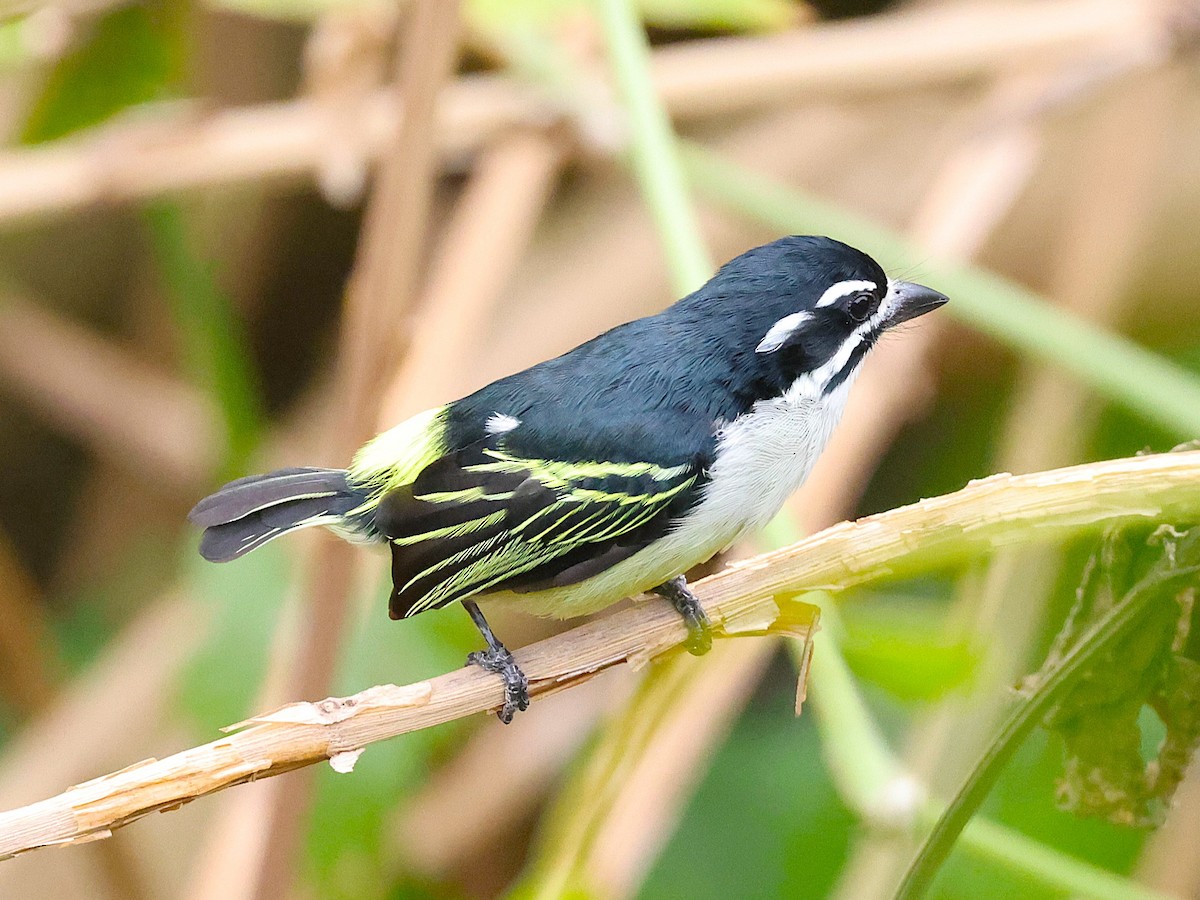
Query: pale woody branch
{"x": 741, "y": 600}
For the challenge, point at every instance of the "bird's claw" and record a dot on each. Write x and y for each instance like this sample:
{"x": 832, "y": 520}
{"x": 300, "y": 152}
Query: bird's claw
{"x": 516, "y": 686}
{"x": 699, "y": 628}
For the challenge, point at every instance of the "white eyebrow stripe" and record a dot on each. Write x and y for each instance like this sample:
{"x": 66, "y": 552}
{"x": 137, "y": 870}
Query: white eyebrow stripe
{"x": 781, "y": 331}
{"x": 836, "y": 292}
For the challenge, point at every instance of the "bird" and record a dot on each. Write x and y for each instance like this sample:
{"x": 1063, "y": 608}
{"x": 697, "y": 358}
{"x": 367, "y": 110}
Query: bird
{"x": 608, "y": 471}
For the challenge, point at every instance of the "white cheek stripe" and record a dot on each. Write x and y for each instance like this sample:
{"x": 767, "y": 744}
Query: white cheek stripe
{"x": 812, "y": 384}
{"x": 781, "y": 331}
{"x": 843, "y": 288}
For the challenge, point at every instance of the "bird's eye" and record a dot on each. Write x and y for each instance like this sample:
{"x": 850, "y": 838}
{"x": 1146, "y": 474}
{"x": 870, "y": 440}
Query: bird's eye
{"x": 860, "y": 307}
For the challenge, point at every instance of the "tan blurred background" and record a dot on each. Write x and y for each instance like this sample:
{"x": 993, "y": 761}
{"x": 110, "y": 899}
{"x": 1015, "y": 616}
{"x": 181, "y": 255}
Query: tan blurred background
{"x": 223, "y": 249}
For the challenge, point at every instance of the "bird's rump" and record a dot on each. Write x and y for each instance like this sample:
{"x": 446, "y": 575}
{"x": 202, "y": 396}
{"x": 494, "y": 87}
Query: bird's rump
{"x": 485, "y": 518}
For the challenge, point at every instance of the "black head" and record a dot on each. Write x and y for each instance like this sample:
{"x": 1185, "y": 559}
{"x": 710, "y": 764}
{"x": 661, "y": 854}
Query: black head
{"x": 804, "y": 311}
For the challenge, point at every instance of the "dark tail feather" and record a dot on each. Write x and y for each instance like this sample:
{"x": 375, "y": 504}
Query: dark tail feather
{"x": 247, "y": 513}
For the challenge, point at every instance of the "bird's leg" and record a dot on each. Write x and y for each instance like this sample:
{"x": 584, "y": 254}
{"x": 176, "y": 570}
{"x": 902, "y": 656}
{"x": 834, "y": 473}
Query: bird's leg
{"x": 496, "y": 658}
{"x": 676, "y": 590}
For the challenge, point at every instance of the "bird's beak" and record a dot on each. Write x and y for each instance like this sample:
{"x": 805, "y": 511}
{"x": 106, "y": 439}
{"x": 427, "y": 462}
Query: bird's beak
{"x": 910, "y": 300}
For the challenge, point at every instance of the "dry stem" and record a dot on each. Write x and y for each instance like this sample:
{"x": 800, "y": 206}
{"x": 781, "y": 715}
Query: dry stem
{"x": 382, "y": 286}
{"x": 1000, "y": 510}
{"x": 144, "y": 158}
{"x": 70, "y": 375}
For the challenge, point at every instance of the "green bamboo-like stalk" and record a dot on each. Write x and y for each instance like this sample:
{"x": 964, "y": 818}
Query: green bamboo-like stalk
{"x": 584, "y": 801}
{"x": 1113, "y": 366}
{"x": 653, "y": 147}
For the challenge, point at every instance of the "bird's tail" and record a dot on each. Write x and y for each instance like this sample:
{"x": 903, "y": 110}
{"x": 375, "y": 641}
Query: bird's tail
{"x": 247, "y": 513}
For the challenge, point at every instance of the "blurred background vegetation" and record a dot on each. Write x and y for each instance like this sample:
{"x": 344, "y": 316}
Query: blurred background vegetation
{"x": 223, "y": 248}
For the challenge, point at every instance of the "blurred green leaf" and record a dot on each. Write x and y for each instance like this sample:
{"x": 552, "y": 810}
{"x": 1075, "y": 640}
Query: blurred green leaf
{"x": 910, "y": 664}
{"x": 765, "y": 821}
{"x": 132, "y": 55}
{"x": 221, "y": 683}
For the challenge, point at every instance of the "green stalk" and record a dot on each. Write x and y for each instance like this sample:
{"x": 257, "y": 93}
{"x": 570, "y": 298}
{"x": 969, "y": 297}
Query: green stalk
{"x": 653, "y": 147}
{"x": 1111, "y": 365}
{"x": 1021, "y": 853}
{"x": 863, "y": 767}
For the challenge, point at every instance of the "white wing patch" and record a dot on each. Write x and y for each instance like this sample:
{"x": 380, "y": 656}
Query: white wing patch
{"x": 500, "y": 423}
{"x": 781, "y": 331}
{"x": 836, "y": 292}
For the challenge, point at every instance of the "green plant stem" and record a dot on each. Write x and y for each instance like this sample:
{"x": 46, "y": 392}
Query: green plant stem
{"x": 1021, "y": 853}
{"x": 1113, "y": 366}
{"x": 653, "y": 147}
{"x": 586, "y": 799}
{"x": 857, "y": 755}
{"x": 864, "y": 769}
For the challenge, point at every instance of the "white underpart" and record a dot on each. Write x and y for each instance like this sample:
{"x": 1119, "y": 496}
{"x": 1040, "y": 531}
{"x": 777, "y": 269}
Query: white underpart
{"x": 500, "y": 423}
{"x": 762, "y": 458}
{"x": 843, "y": 289}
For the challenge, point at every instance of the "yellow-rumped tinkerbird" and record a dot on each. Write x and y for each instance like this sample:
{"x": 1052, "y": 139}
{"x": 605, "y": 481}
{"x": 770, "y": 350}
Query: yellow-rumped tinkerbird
{"x": 609, "y": 470}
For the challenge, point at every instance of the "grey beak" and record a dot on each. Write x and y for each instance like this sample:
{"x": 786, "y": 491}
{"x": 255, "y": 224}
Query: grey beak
{"x": 911, "y": 300}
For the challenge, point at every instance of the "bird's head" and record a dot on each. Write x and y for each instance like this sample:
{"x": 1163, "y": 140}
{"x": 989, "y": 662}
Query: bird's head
{"x": 808, "y": 310}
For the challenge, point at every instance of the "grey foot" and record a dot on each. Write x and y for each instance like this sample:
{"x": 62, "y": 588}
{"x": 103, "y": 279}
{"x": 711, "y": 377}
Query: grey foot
{"x": 516, "y": 686}
{"x": 699, "y": 628}
{"x": 496, "y": 658}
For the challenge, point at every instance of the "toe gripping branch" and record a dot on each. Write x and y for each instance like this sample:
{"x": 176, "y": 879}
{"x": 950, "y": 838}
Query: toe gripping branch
{"x": 699, "y": 628}
{"x": 497, "y": 658}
